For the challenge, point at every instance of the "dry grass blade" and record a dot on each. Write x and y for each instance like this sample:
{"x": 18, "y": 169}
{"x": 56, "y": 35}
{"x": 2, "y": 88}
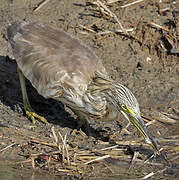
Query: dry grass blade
{"x": 43, "y": 143}
{"x": 64, "y": 148}
{"x": 86, "y": 28}
{"x": 98, "y": 159}
{"x": 40, "y": 5}
{"x": 170, "y": 116}
{"x": 7, "y": 147}
{"x": 148, "y": 175}
{"x": 108, "y": 148}
{"x": 166, "y": 120}
{"x": 87, "y": 157}
{"x": 158, "y": 26}
{"x": 33, "y": 162}
{"x": 151, "y": 122}
{"x": 134, "y": 143}
{"x": 56, "y": 138}
{"x": 134, "y": 158}
{"x": 64, "y": 170}
{"x": 130, "y": 4}
{"x": 115, "y": 31}
{"x": 105, "y": 11}
{"x": 54, "y": 134}
{"x": 112, "y": 1}
{"x": 168, "y": 140}
{"x": 152, "y": 173}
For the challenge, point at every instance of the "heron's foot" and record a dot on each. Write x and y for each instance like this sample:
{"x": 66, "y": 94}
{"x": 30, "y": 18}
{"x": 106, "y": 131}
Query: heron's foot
{"x": 33, "y": 116}
{"x": 76, "y": 132}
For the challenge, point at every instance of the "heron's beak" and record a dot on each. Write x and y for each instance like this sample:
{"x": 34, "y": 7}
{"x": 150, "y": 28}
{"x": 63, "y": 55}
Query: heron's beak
{"x": 139, "y": 124}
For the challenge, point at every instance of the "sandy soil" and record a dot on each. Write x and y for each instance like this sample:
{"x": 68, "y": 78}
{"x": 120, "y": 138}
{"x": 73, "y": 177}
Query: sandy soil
{"x": 145, "y": 60}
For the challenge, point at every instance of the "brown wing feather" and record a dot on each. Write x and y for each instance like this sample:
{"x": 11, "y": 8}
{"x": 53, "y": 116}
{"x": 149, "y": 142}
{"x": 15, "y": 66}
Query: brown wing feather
{"x": 52, "y": 59}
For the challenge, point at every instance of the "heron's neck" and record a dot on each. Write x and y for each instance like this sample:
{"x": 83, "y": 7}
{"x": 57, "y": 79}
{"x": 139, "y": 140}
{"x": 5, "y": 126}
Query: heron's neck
{"x": 102, "y": 85}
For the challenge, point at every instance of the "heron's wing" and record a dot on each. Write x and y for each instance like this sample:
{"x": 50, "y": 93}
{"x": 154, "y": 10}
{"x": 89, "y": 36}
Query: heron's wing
{"x": 52, "y": 59}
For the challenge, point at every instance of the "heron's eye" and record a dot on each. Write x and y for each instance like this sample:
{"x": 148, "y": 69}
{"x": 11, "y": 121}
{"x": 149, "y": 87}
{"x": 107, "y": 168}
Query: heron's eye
{"x": 123, "y": 106}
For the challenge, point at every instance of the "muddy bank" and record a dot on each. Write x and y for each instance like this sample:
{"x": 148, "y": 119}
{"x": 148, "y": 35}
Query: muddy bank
{"x": 145, "y": 60}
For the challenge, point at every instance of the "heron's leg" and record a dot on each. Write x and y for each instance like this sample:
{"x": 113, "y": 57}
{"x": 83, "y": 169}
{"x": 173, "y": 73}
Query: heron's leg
{"x": 82, "y": 122}
{"x": 27, "y": 107}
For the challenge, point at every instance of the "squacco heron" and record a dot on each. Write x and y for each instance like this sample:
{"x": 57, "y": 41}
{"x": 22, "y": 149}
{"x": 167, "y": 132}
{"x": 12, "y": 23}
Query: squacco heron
{"x": 61, "y": 67}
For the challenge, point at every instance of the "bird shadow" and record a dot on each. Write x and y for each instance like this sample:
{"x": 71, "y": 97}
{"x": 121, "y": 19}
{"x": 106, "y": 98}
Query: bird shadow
{"x": 10, "y": 96}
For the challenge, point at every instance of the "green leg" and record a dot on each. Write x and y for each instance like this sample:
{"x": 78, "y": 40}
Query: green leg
{"x": 82, "y": 122}
{"x": 27, "y": 107}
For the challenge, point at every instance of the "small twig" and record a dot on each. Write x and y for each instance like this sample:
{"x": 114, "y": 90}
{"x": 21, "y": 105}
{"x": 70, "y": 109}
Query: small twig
{"x": 134, "y": 158}
{"x": 64, "y": 148}
{"x": 98, "y": 159}
{"x": 152, "y": 173}
{"x": 148, "y": 118}
{"x": 43, "y": 143}
{"x": 114, "y": 31}
{"x": 135, "y": 2}
{"x": 33, "y": 162}
{"x": 112, "y": 1}
{"x": 148, "y": 175}
{"x": 158, "y": 26}
{"x": 104, "y": 10}
{"x": 151, "y": 122}
{"x": 40, "y": 5}
{"x": 54, "y": 135}
{"x": 170, "y": 116}
{"x": 81, "y": 157}
{"x": 168, "y": 140}
{"x": 86, "y": 28}
{"x": 7, "y": 147}
{"x": 56, "y": 138}
{"x": 166, "y": 120}
{"x": 112, "y": 147}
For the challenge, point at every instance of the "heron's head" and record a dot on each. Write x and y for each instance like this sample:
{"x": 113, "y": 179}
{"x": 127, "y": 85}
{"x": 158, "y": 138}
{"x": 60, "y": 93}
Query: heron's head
{"x": 124, "y": 100}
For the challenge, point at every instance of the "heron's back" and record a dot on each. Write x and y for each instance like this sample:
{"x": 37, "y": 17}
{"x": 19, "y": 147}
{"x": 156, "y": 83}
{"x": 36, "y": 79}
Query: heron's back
{"x": 52, "y": 59}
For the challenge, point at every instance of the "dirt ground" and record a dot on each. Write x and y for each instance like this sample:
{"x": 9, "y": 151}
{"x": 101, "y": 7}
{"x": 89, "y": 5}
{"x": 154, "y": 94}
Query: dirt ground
{"x": 145, "y": 60}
